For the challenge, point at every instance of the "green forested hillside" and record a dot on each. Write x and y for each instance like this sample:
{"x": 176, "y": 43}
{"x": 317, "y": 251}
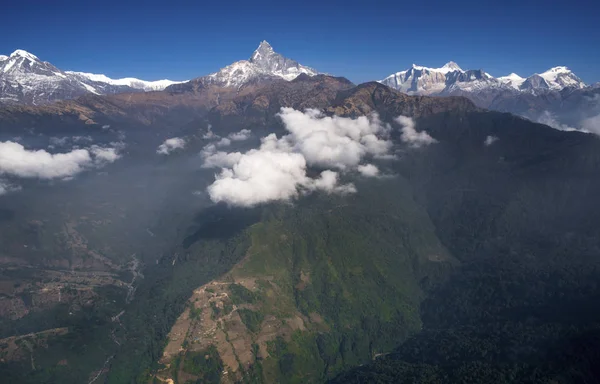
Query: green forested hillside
{"x": 521, "y": 216}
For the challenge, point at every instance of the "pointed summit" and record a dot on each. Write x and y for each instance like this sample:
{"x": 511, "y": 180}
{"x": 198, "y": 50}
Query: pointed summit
{"x": 264, "y": 63}
{"x": 263, "y": 51}
{"x": 264, "y": 45}
{"x": 452, "y": 66}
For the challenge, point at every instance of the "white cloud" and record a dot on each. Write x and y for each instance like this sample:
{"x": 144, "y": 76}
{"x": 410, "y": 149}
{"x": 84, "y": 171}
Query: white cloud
{"x": 271, "y": 172}
{"x": 277, "y": 169}
{"x": 224, "y": 142}
{"x": 410, "y": 134}
{"x": 260, "y": 175}
{"x": 242, "y": 135}
{"x": 103, "y": 154}
{"x": 368, "y": 170}
{"x": 221, "y": 159}
{"x": 489, "y": 140}
{"x": 170, "y": 145}
{"x": 334, "y": 142}
{"x": 210, "y": 134}
{"x": 17, "y": 161}
{"x": 328, "y": 182}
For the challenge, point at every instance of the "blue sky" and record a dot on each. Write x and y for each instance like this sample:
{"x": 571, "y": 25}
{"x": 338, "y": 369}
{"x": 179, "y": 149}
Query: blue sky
{"x": 361, "y": 40}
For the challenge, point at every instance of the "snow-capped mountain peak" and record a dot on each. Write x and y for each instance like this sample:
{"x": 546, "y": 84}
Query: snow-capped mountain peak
{"x": 24, "y": 78}
{"x": 264, "y": 63}
{"x": 24, "y": 54}
{"x": 264, "y": 49}
{"x": 451, "y": 79}
{"x": 451, "y": 66}
{"x": 423, "y": 80}
{"x": 513, "y": 80}
{"x": 561, "y": 77}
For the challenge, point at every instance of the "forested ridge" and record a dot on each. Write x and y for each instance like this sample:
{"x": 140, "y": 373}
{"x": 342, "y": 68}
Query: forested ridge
{"x": 466, "y": 262}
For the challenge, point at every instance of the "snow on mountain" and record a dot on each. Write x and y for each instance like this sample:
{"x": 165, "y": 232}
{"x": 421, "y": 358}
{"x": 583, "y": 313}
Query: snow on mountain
{"x": 264, "y": 63}
{"x": 429, "y": 81}
{"x": 421, "y": 80}
{"x": 25, "y": 79}
{"x": 451, "y": 79}
{"x": 561, "y": 77}
{"x": 132, "y": 82}
{"x": 24, "y": 54}
{"x": 513, "y": 80}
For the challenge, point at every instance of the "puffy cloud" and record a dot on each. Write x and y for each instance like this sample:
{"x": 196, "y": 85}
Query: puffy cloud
{"x": 277, "y": 169}
{"x": 368, "y": 170}
{"x": 170, "y": 145}
{"x": 271, "y": 172}
{"x": 410, "y": 134}
{"x": 242, "y": 135}
{"x": 489, "y": 140}
{"x": 17, "y": 161}
{"x": 334, "y": 142}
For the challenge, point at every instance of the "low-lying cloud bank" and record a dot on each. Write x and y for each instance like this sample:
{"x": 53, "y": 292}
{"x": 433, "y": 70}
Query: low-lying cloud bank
{"x": 277, "y": 170}
{"x": 16, "y": 160}
{"x": 170, "y": 145}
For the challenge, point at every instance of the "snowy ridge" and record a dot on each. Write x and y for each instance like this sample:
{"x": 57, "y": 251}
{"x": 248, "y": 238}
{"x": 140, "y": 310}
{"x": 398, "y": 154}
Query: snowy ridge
{"x": 132, "y": 82}
{"x": 561, "y": 77}
{"x": 264, "y": 63}
{"x": 513, "y": 80}
{"x": 25, "y": 79}
{"x": 451, "y": 79}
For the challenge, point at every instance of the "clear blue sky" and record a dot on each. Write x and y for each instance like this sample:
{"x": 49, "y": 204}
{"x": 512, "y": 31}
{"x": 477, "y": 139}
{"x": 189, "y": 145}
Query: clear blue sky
{"x": 361, "y": 40}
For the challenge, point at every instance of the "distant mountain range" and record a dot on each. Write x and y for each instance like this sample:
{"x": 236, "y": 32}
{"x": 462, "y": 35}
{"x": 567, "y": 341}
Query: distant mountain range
{"x": 25, "y": 79}
{"x": 556, "y": 97}
{"x": 451, "y": 78}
